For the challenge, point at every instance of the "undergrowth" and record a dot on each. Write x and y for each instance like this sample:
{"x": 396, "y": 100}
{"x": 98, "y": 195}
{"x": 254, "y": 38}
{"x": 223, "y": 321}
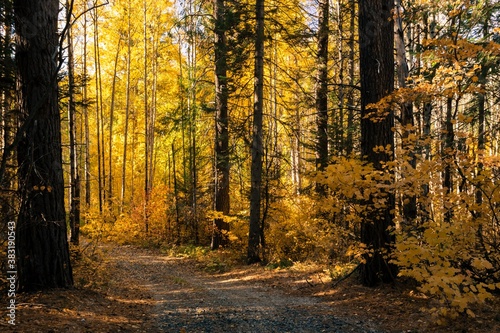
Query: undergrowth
{"x": 89, "y": 265}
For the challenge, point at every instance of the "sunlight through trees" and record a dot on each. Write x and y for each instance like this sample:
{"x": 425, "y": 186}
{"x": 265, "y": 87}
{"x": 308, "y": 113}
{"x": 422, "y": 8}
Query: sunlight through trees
{"x": 353, "y": 133}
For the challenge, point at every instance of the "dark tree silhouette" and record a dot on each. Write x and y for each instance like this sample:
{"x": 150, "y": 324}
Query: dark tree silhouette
{"x": 376, "y": 38}
{"x": 42, "y": 246}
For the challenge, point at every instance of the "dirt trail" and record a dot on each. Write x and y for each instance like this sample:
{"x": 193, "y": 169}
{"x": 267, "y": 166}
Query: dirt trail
{"x": 132, "y": 290}
{"x": 189, "y": 300}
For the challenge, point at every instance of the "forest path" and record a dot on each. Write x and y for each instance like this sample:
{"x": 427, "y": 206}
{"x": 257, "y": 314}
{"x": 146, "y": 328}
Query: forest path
{"x": 187, "y": 299}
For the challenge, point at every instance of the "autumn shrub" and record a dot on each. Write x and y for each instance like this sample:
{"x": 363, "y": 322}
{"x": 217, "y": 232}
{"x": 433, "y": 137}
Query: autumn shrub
{"x": 452, "y": 251}
{"x": 295, "y": 230}
{"x": 291, "y": 232}
{"x": 356, "y": 190}
{"x": 305, "y": 228}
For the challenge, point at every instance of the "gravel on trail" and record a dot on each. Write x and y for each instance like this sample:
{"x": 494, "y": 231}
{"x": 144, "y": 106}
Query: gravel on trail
{"x": 188, "y": 300}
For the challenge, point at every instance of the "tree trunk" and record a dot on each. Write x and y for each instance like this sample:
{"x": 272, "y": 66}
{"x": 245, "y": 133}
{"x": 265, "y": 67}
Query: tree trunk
{"x": 74, "y": 213}
{"x": 8, "y": 118}
{"x": 295, "y": 151}
{"x": 322, "y": 92}
{"x": 176, "y": 198}
{"x": 481, "y": 129}
{"x": 98, "y": 106}
{"x": 154, "y": 101}
{"x": 127, "y": 111}
{"x": 338, "y": 123}
{"x": 376, "y": 38}
{"x": 222, "y": 203}
{"x": 147, "y": 119}
{"x": 448, "y": 155}
{"x": 409, "y": 201}
{"x": 352, "y": 66}
{"x": 111, "y": 122}
{"x": 42, "y": 246}
{"x": 256, "y": 164}
{"x": 86, "y": 112}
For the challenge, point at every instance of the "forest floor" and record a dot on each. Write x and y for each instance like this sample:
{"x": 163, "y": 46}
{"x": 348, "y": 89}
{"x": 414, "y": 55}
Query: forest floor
{"x": 130, "y": 289}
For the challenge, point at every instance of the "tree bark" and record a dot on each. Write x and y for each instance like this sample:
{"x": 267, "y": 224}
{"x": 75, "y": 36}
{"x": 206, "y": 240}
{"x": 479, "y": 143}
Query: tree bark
{"x": 127, "y": 110}
{"x": 74, "y": 213}
{"x": 376, "y": 38}
{"x": 351, "y": 98}
{"x": 448, "y": 154}
{"x": 111, "y": 123}
{"x": 407, "y": 122}
{"x": 98, "y": 112}
{"x": 86, "y": 112}
{"x": 322, "y": 92}
{"x": 8, "y": 118}
{"x": 257, "y": 148}
{"x": 42, "y": 246}
{"x": 148, "y": 133}
{"x": 222, "y": 203}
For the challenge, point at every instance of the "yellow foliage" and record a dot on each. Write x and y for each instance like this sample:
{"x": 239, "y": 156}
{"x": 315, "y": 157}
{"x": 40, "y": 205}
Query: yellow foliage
{"x": 442, "y": 250}
{"x": 446, "y": 257}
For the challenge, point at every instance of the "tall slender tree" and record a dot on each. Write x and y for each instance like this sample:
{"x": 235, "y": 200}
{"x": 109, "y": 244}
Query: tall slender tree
{"x": 98, "y": 111}
{"x": 128, "y": 89}
{"x": 257, "y": 145}
{"x": 148, "y": 149}
{"x": 74, "y": 212}
{"x": 112, "y": 121}
{"x": 349, "y": 142}
{"x": 221, "y": 127}
{"x": 376, "y": 45}
{"x": 322, "y": 90}
{"x": 86, "y": 111}
{"x": 42, "y": 246}
{"x": 407, "y": 121}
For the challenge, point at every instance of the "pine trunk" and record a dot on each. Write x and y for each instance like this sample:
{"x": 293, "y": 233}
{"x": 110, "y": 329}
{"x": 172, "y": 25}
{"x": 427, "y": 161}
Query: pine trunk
{"x": 376, "y": 38}
{"x": 257, "y": 148}
{"x": 42, "y": 246}
{"x": 74, "y": 212}
{"x": 322, "y": 92}
{"x": 219, "y": 236}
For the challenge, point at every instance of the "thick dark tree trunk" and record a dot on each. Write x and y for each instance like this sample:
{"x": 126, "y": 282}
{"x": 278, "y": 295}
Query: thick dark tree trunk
{"x": 222, "y": 204}
{"x": 253, "y": 254}
{"x": 8, "y": 118}
{"x": 376, "y": 38}
{"x": 42, "y": 246}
